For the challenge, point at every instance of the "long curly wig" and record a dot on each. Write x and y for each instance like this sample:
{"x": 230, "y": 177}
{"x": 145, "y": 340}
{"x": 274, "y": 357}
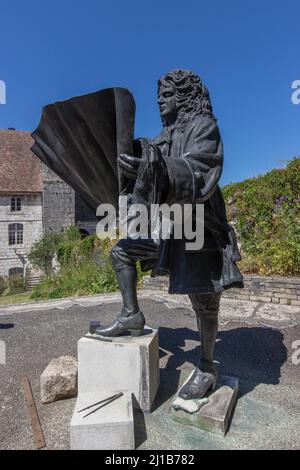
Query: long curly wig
{"x": 192, "y": 96}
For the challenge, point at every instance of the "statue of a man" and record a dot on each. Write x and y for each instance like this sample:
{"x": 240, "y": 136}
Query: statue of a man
{"x": 182, "y": 165}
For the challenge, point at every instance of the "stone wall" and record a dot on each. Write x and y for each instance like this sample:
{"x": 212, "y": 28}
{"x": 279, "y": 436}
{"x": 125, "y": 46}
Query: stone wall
{"x": 85, "y": 217}
{"x": 279, "y": 290}
{"x": 58, "y": 203}
{"x": 15, "y": 256}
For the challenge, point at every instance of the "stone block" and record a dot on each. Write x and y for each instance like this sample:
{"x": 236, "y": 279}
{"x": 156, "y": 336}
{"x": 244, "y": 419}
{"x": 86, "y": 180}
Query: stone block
{"x": 286, "y": 296}
{"x": 260, "y": 298}
{"x": 292, "y": 291}
{"x": 214, "y": 416}
{"x": 59, "y": 379}
{"x": 109, "y": 428}
{"x": 244, "y": 296}
{"x": 122, "y": 363}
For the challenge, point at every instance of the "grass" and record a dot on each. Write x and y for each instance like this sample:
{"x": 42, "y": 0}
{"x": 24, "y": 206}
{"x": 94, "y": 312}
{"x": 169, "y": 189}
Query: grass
{"x": 85, "y": 267}
{"x": 15, "y": 298}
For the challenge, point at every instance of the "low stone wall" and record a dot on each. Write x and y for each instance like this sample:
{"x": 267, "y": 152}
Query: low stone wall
{"x": 283, "y": 290}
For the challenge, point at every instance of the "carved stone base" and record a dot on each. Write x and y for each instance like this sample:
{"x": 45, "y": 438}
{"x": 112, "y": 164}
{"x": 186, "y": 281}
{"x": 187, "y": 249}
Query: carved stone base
{"x": 214, "y": 414}
{"x": 111, "y": 427}
{"x": 122, "y": 363}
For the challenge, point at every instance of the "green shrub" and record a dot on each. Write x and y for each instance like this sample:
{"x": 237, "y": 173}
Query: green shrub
{"x": 86, "y": 269}
{"x": 85, "y": 278}
{"x": 44, "y": 249}
{"x": 85, "y": 266}
{"x": 16, "y": 283}
{"x": 267, "y": 214}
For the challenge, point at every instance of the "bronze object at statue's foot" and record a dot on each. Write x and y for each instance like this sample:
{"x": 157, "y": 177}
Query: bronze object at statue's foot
{"x": 123, "y": 324}
{"x": 199, "y": 385}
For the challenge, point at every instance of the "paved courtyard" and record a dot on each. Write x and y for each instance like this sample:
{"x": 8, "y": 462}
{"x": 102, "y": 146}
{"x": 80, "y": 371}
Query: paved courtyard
{"x": 254, "y": 343}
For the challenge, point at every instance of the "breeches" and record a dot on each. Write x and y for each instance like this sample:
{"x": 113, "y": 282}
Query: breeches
{"x": 127, "y": 251}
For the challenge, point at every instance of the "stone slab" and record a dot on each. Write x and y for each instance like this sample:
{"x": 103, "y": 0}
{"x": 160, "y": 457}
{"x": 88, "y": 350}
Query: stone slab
{"x": 122, "y": 363}
{"x": 110, "y": 428}
{"x": 214, "y": 416}
{"x": 59, "y": 379}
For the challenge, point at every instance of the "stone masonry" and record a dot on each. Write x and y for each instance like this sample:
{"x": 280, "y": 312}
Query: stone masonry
{"x": 58, "y": 203}
{"x": 279, "y": 290}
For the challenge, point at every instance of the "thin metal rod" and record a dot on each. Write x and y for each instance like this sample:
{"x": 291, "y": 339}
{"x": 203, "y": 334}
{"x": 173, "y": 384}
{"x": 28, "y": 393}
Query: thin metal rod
{"x": 107, "y": 403}
{"x": 117, "y": 395}
{"x": 35, "y": 421}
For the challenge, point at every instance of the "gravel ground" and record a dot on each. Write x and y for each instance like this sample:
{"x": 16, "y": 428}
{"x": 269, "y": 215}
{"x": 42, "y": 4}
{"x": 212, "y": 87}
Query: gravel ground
{"x": 257, "y": 351}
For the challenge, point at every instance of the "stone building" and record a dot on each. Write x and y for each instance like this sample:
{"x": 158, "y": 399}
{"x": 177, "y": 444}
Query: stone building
{"x": 33, "y": 201}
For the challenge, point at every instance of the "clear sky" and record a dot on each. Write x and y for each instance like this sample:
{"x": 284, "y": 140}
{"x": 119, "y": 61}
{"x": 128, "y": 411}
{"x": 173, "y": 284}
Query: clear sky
{"x": 247, "y": 53}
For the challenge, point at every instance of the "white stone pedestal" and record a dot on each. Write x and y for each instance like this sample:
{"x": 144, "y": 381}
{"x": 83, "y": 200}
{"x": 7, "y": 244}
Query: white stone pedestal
{"x": 122, "y": 363}
{"x": 111, "y": 427}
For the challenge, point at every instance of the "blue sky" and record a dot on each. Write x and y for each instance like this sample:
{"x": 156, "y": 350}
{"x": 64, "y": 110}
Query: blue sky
{"x": 247, "y": 53}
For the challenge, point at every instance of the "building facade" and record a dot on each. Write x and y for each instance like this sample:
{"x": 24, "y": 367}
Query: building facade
{"x": 33, "y": 201}
{"x": 19, "y": 228}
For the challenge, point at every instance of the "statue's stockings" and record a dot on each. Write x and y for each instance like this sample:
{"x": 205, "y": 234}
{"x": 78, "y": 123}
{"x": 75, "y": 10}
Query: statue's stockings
{"x": 206, "y": 306}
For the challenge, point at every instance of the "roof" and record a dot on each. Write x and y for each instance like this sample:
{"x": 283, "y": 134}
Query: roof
{"x": 20, "y": 169}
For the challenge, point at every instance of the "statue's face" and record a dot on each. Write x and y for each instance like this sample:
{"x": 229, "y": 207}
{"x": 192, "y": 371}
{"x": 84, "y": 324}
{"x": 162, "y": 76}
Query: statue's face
{"x": 167, "y": 103}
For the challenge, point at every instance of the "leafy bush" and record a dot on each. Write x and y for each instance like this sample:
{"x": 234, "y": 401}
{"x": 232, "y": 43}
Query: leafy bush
{"x": 44, "y": 249}
{"x": 16, "y": 283}
{"x": 266, "y": 210}
{"x": 85, "y": 279}
{"x": 86, "y": 269}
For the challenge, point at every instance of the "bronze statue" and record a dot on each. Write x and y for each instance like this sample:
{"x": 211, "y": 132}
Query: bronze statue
{"x": 182, "y": 165}
{"x": 189, "y": 155}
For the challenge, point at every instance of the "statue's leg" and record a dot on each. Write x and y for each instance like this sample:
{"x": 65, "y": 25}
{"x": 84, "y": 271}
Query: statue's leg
{"x": 124, "y": 256}
{"x": 206, "y": 307}
{"x": 127, "y": 278}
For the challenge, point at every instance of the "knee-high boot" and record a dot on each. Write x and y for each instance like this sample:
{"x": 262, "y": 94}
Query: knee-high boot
{"x": 127, "y": 280}
{"x": 131, "y": 319}
{"x": 204, "y": 377}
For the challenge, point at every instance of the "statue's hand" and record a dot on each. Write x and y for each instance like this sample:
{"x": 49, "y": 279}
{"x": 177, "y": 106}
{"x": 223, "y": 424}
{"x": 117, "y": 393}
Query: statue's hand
{"x": 129, "y": 165}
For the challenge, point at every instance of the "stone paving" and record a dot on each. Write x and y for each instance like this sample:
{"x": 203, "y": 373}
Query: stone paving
{"x": 248, "y": 311}
{"x": 255, "y": 344}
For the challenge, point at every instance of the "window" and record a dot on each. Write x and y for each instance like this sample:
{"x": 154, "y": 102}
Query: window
{"x": 15, "y": 203}
{"x": 15, "y": 234}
